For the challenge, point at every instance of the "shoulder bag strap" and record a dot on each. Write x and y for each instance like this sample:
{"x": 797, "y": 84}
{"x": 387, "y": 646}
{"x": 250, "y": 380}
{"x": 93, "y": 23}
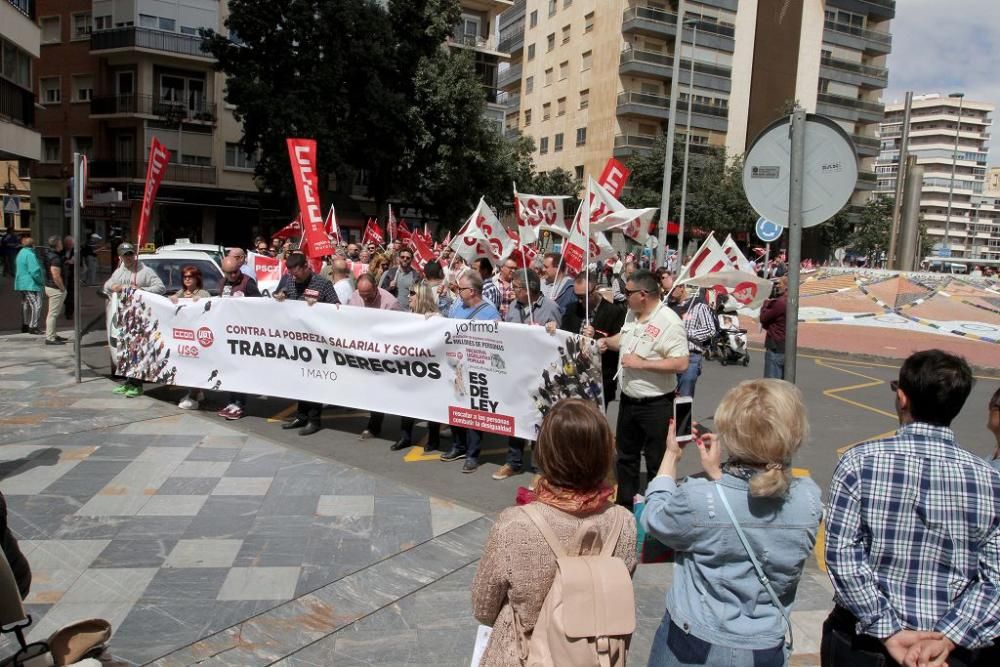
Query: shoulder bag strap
{"x": 543, "y": 527}
{"x": 476, "y": 311}
{"x": 616, "y": 532}
{"x": 765, "y": 582}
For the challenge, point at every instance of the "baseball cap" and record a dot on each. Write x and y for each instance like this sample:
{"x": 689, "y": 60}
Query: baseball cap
{"x": 126, "y": 249}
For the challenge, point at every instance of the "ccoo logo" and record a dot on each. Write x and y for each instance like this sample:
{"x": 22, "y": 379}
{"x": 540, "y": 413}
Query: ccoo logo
{"x": 205, "y": 337}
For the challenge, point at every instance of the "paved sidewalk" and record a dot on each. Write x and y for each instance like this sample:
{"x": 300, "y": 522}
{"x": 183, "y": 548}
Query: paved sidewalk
{"x": 206, "y": 545}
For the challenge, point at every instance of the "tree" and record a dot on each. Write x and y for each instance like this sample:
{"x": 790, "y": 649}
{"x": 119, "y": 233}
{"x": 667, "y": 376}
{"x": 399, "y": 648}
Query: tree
{"x": 557, "y": 182}
{"x": 871, "y": 236}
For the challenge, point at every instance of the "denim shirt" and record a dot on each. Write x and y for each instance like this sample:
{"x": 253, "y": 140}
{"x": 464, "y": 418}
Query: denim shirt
{"x": 715, "y": 594}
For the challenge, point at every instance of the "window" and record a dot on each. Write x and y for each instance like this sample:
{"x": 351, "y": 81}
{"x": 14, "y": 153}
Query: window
{"x": 563, "y": 70}
{"x": 83, "y": 88}
{"x": 527, "y": 117}
{"x": 647, "y": 130}
{"x": 103, "y": 23}
{"x": 84, "y": 145}
{"x": 531, "y": 52}
{"x": 51, "y": 149}
{"x": 578, "y": 169}
{"x": 585, "y": 98}
{"x": 50, "y": 90}
{"x": 588, "y": 22}
{"x": 147, "y": 21}
{"x": 81, "y": 25}
{"x": 548, "y": 77}
{"x": 567, "y": 3}
{"x": 236, "y": 158}
{"x": 581, "y": 136}
{"x": 543, "y": 145}
{"x": 552, "y": 7}
{"x": 529, "y": 85}
{"x": 550, "y": 41}
{"x": 588, "y": 57}
{"x": 546, "y": 111}
{"x": 561, "y": 106}
{"x": 565, "y": 34}
{"x": 559, "y": 142}
{"x": 185, "y": 30}
{"x": 533, "y": 20}
{"x": 168, "y": 24}
{"x": 16, "y": 64}
{"x": 51, "y": 29}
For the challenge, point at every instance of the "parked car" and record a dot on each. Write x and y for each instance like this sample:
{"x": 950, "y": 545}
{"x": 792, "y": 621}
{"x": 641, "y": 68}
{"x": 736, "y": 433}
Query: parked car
{"x": 168, "y": 266}
{"x": 216, "y": 252}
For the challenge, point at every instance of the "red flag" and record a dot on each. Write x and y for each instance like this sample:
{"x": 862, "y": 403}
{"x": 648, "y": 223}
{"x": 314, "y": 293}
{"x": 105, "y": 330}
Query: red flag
{"x": 331, "y": 227}
{"x": 315, "y": 263}
{"x": 373, "y": 233}
{"x": 302, "y": 153}
{"x": 614, "y": 177}
{"x": 525, "y": 256}
{"x": 292, "y": 230}
{"x": 159, "y": 157}
{"x": 421, "y": 251}
{"x": 404, "y": 232}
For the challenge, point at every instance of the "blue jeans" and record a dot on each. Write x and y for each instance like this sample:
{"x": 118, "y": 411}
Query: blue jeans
{"x": 687, "y": 379}
{"x": 774, "y": 364}
{"x": 672, "y": 647}
{"x": 515, "y": 453}
{"x": 468, "y": 441}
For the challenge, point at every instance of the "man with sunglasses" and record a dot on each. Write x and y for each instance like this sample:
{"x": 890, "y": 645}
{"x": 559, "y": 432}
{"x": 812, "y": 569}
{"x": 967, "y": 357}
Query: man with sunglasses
{"x": 913, "y": 534}
{"x": 398, "y": 280}
{"x": 654, "y": 349}
{"x": 240, "y": 256}
{"x": 499, "y": 290}
{"x": 605, "y": 318}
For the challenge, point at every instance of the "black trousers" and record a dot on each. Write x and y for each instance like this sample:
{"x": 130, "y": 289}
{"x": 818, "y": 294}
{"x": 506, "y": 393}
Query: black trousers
{"x": 642, "y": 429}
{"x": 406, "y": 425}
{"x": 309, "y": 411}
{"x": 375, "y": 420}
{"x": 841, "y": 646}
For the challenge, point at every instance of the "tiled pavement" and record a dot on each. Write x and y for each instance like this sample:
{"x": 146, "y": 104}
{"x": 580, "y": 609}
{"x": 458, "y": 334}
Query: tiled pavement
{"x": 202, "y": 544}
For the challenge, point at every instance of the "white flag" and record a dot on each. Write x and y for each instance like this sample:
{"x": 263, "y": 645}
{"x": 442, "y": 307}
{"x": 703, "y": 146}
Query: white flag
{"x": 538, "y": 213}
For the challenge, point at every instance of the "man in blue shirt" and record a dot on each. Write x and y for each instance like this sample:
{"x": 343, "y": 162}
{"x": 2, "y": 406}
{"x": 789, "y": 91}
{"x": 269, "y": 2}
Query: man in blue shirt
{"x": 913, "y": 534}
{"x": 469, "y": 306}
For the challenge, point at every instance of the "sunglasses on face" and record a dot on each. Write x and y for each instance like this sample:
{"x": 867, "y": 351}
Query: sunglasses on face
{"x": 630, "y": 292}
{"x": 188, "y": 275}
{"x": 413, "y": 292}
{"x": 894, "y": 385}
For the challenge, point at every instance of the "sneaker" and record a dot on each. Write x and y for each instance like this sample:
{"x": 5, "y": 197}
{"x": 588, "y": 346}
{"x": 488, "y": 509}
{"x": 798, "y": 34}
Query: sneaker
{"x": 470, "y": 465}
{"x": 55, "y": 341}
{"x": 188, "y": 403}
{"x": 366, "y": 435}
{"x": 506, "y": 471}
{"x": 120, "y": 389}
{"x": 453, "y": 454}
{"x": 224, "y": 412}
{"x": 132, "y": 392}
{"x": 235, "y": 413}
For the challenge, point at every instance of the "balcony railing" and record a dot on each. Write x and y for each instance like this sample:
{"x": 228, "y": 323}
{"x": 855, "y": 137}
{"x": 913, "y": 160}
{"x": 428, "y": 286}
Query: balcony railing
{"x": 17, "y": 105}
{"x": 854, "y": 103}
{"x": 634, "y": 141}
{"x": 646, "y": 99}
{"x": 510, "y": 39}
{"x": 149, "y": 105}
{"x": 655, "y": 58}
{"x": 179, "y": 173}
{"x": 871, "y": 142}
{"x": 509, "y": 100}
{"x": 144, "y": 38}
{"x": 26, "y": 7}
{"x": 880, "y": 73}
{"x": 649, "y": 14}
{"x": 509, "y": 76}
{"x": 882, "y": 38}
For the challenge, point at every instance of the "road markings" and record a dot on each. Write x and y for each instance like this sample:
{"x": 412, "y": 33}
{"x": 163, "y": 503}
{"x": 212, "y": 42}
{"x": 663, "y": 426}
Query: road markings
{"x": 842, "y": 450}
{"x": 416, "y": 453}
{"x": 290, "y": 410}
{"x": 872, "y": 382}
{"x": 281, "y": 416}
{"x": 819, "y": 549}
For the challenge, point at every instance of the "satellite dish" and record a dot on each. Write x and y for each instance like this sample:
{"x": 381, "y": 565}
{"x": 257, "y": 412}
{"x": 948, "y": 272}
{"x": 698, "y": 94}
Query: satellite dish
{"x": 830, "y": 172}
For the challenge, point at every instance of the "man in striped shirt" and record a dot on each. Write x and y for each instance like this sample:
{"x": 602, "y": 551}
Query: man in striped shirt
{"x": 913, "y": 534}
{"x": 700, "y": 327}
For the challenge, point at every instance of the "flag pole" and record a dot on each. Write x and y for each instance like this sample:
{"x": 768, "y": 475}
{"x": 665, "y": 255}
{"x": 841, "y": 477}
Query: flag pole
{"x": 531, "y": 304}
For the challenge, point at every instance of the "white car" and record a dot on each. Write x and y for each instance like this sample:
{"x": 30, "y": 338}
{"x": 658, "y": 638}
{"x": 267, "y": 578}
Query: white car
{"x": 168, "y": 266}
{"x": 217, "y": 252}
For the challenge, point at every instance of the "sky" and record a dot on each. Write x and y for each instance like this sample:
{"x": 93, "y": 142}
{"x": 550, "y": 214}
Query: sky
{"x": 944, "y": 47}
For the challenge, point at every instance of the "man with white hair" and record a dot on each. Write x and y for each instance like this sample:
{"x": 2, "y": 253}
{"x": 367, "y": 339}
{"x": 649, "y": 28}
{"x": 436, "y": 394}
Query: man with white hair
{"x": 240, "y": 256}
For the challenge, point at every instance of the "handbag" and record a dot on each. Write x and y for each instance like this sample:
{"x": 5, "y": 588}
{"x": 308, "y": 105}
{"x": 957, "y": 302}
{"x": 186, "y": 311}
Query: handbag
{"x": 761, "y": 577}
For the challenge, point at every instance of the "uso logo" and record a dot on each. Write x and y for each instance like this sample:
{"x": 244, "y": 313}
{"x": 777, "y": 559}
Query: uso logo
{"x": 205, "y": 337}
{"x": 183, "y": 334}
{"x": 185, "y": 350}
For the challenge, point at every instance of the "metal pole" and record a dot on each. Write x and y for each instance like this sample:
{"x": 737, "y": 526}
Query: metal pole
{"x": 897, "y": 201}
{"x": 954, "y": 165}
{"x": 75, "y": 201}
{"x": 798, "y": 129}
{"x": 687, "y": 147}
{"x": 668, "y": 154}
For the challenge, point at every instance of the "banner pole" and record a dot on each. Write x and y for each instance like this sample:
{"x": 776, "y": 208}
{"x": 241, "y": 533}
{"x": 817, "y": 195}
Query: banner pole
{"x": 531, "y": 304}
{"x": 76, "y": 202}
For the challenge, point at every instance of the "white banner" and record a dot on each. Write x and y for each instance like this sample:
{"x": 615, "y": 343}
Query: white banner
{"x": 490, "y": 376}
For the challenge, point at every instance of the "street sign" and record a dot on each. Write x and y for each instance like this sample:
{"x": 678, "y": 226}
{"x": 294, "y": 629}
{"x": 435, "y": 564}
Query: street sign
{"x": 767, "y": 230}
{"x": 829, "y": 175}
{"x": 12, "y": 204}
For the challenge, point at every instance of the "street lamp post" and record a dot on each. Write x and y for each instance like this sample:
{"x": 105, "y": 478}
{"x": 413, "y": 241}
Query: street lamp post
{"x": 954, "y": 166}
{"x": 668, "y": 153}
{"x": 693, "y": 23}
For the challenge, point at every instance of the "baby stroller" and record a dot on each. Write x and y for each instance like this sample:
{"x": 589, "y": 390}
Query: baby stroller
{"x": 729, "y": 345}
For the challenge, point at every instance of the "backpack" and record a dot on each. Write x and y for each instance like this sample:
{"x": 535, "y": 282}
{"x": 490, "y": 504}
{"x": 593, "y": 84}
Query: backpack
{"x": 588, "y": 616}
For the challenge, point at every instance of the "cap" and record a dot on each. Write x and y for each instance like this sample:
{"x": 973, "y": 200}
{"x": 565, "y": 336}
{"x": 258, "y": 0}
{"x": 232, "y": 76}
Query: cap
{"x": 96, "y": 237}
{"x": 126, "y": 249}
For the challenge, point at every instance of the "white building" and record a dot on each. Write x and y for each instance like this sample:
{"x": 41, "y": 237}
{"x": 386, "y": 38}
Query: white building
{"x": 20, "y": 143}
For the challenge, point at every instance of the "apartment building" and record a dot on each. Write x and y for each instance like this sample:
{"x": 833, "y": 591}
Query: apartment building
{"x": 19, "y": 141}
{"x": 112, "y": 75}
{"x": 477, "y": 31}
{"x": 936, "y": 121}
{"x": 591, "y": 78}
{"x": 993, "y": 181}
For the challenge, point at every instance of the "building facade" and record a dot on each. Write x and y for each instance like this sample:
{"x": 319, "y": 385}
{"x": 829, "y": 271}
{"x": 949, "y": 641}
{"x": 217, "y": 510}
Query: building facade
{"x": 589, "y": 78}
{"x": 20, "y": 143}
{"x": 971, "y": 234}
{"x": 112, "y": 75}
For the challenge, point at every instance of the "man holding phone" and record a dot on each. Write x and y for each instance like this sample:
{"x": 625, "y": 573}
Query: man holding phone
{"x": 654, "y": 349}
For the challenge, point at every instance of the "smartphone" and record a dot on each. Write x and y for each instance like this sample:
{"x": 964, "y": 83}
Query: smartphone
{"x": 683, "y": 407}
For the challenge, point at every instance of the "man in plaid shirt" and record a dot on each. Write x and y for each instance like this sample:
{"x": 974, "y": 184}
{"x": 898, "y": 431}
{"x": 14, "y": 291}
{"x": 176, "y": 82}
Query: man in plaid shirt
{"x": 913, "y": 535}
{"x": 700, "y": 327}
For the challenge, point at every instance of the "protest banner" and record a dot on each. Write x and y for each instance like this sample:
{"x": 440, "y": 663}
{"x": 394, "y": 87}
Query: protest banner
{"x": 302, "y": 153}
{"x": 159, "y": 158}
{"x": 491, "y": 376}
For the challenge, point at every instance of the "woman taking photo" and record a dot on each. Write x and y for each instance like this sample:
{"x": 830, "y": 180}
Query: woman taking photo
{"x": 719, "y": 612}
{"x": 423, "y": 301}
{"x": 574, "y": 451}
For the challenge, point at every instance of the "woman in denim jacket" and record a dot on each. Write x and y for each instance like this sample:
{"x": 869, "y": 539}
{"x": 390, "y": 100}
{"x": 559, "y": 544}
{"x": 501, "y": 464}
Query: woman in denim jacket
{"x": 718, "y": 613}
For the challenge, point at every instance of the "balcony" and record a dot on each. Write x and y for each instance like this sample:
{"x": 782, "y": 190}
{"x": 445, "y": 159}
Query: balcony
{"x": 17, "y": 105}
{"x": 177, "y": 173}
{"x": 857, "y": 38}
{"x": 509, "y": 101}
{"x": 512, "y": 40}
{"x": 649, "y": 22}
{"x": 53, "y": 170}
{"x": 633, "y": 144}
{"x": 866, "y": 180}
{"x": 119, "y": 39}
{"x": 148, "y": 105}
{"x": 866, "y": 146}
{"x": 515, "y": 14}
{"x": 653, "y": 63}
{"x": 511, "y": 133}
{"x": 26, "y": 7}
{"x": 643, "y": 104}
{"x": 509, "y": 77}
{"x": 872, "y": 112}
{"x": 853, "y": 73}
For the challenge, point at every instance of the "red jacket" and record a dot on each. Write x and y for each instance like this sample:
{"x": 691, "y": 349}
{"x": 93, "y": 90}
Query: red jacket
{"x": 772, "y": 318}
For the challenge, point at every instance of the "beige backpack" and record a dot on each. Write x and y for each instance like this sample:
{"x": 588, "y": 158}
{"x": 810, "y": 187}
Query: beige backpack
{"x": 588, "y": 616}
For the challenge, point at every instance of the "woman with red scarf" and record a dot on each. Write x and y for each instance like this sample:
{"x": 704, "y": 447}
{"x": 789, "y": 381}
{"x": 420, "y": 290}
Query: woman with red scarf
{"x": 574, "y": 451}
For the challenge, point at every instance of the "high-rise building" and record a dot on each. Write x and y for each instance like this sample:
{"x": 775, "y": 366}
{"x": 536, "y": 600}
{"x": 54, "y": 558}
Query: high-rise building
{"x": 589, "y": 79}
{"x": 936, "y": 122}
{"x": 19, "y": 141}
{"x": 477, "y": 31}
{"x": 112, "y": 75}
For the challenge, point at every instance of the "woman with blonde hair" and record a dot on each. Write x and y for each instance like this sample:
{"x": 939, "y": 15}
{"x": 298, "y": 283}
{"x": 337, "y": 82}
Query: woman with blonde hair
{"x": 574, "y": 451}
{"x": 423, "y": 301}
{"x": 741, "y": 533}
